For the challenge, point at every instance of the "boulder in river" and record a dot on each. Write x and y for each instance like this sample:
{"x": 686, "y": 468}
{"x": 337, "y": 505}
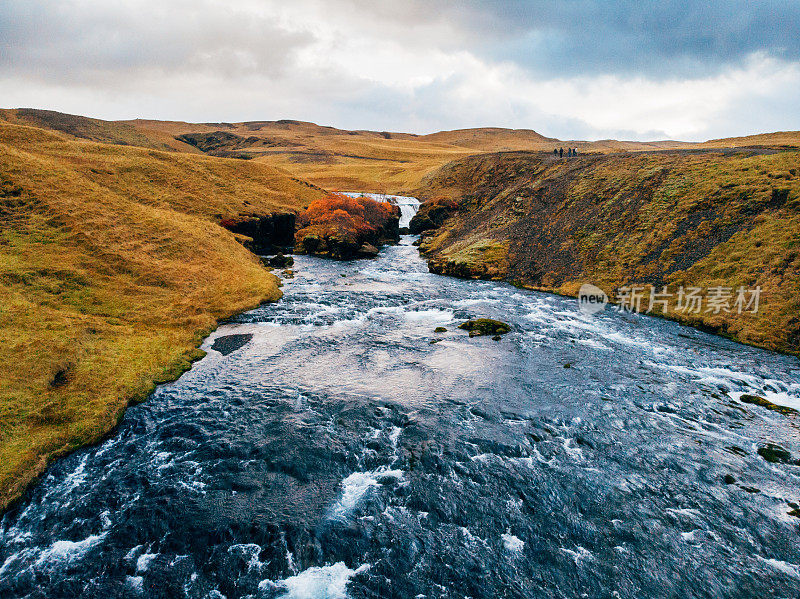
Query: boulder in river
{"x": 228, "y": 344}
{"x": 368, "y": 250}
{"x": 280, "y": 261}
{"x": 485, "y": 326}
{"x": 765, "y": 403}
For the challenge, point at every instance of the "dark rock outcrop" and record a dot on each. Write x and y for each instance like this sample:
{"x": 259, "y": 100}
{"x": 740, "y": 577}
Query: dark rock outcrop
{"x": 432, "y": 214}
{"x": 269, "y": 233}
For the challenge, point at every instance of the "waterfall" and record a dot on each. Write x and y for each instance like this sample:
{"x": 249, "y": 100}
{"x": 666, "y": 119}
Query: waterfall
{"x": 408, "y": 205}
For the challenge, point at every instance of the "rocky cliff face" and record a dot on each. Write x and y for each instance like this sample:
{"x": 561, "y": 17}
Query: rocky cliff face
{"x": 722, "y": 219}
{"x": 269, "y": 233}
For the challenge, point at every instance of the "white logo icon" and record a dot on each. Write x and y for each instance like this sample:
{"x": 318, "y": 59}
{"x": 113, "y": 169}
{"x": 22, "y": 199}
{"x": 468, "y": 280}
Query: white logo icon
{"x": 591, "y": 299}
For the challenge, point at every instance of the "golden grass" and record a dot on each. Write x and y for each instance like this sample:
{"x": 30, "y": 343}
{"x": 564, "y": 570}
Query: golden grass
{"x": 701, "y": 220}
{"x": 331, "y": 158}
{"x": 343, "y": 160}
{"x": 112, "y": 271}
{"x": 81, "y": 127}
{"x": 354, "y": 174}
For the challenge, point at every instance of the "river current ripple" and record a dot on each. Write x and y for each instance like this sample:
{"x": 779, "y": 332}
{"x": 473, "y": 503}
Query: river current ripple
{"x": 341, "y": 453}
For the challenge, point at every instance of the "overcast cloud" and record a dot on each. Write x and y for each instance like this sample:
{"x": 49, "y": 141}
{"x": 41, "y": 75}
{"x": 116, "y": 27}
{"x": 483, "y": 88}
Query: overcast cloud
{"x": 686, "y": 69}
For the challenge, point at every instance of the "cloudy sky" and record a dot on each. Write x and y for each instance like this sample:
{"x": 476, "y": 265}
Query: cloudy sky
{"x": 582, "y": 69}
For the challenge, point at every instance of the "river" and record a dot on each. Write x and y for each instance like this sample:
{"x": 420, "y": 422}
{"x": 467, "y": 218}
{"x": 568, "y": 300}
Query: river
{"x": 339, "y": 447}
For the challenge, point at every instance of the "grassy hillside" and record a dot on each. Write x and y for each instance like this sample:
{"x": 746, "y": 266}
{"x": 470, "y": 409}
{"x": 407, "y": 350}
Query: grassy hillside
{"x": 112, "y": 270}
{"x": 381, "y": 162}
{"x": 80, "y": 127}
{"x": 705, "y": 219}
{"x": 492, "y": 139}
{"x": 344, "y": 160}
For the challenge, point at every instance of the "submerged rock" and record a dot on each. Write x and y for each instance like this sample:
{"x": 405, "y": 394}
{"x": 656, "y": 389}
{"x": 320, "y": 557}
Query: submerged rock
{"x": 774, "y": 454}
{"x": 485, "y": 326}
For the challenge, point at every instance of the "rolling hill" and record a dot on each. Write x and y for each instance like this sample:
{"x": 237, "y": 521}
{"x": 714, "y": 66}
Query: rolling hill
{"x": 113, "y": 268}
{"x": 345, "y": 160}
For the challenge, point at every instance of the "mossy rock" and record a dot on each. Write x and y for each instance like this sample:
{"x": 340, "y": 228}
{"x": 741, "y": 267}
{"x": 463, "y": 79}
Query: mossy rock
{"x": 485, "y": 326}
{"x": 765, "y": 403}
{"x": 440, "y": 330}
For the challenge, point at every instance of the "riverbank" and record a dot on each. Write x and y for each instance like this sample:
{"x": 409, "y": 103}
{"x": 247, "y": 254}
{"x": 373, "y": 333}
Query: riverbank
{"x": 727, "y": 219}
{"x": 113, "y": 269}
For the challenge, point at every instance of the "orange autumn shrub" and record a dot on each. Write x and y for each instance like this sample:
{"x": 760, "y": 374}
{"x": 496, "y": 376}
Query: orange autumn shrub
{"x": 338, "y": 225}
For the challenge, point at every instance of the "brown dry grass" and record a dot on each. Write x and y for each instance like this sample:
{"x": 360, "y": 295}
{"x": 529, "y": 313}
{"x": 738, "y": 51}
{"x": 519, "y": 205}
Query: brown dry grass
{"x": 369, "y": 161}
{"x": 112, "y": 270}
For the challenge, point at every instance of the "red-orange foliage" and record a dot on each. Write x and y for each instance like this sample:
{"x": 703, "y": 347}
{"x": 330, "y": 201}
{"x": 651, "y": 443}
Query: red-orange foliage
{"x": 338, "y": 225}
{"x": 362, "y": 216}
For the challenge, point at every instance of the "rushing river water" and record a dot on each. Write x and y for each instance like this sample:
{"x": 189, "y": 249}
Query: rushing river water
{"x": 339, "y": 452}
